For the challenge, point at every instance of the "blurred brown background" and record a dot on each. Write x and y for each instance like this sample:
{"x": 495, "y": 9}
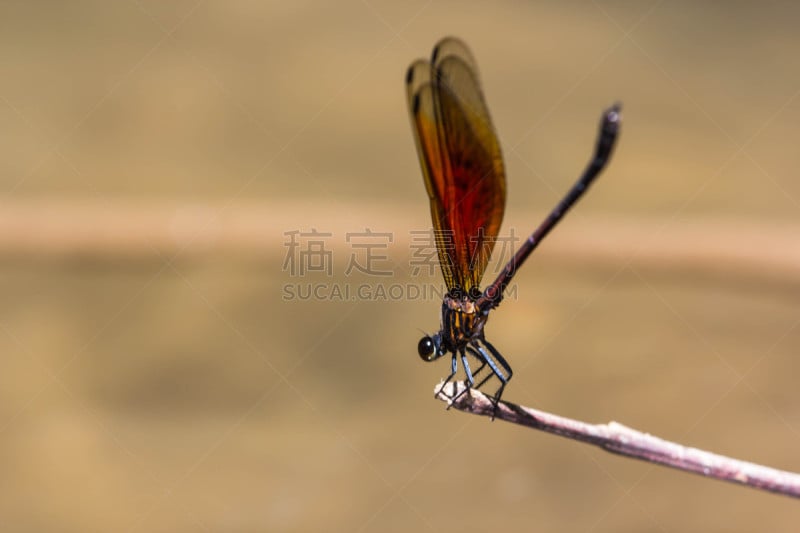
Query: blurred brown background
{"x": 155, "y": 155}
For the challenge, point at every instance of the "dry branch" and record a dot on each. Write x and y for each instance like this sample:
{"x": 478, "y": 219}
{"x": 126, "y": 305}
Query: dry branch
{"x": 622, "y": 440}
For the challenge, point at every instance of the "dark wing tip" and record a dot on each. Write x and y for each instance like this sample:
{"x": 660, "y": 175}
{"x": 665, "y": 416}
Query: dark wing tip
{"x": 447, "y": 42}
{"x": 410, "y": 74}
{"x": 437, "y": 50}
{"x": 415, "y": 104}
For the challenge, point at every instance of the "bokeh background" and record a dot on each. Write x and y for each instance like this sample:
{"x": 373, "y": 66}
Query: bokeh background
{"x": 156, "y": 157}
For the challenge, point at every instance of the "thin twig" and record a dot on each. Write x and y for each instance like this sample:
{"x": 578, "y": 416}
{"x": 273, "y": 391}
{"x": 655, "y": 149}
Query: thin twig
{"x": 622, "y": 440}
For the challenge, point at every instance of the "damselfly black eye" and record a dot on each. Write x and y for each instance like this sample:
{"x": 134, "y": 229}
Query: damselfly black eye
{"x": 426, "y": 348}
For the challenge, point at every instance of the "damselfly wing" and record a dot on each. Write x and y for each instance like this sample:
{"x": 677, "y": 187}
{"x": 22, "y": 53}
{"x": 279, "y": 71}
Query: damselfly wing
{"x": 462, "y": 166}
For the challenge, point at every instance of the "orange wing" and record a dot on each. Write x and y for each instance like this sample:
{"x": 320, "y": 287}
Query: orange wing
{"x": 461, "y": 161}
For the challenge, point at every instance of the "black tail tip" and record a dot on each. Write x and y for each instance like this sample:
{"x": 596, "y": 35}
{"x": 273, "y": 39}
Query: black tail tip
{"x": 614, "y": 113}
{"x": 611, "y": 120}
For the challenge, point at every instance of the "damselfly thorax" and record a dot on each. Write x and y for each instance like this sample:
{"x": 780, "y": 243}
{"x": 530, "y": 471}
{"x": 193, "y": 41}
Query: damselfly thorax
{"x": 462, "y": 321}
